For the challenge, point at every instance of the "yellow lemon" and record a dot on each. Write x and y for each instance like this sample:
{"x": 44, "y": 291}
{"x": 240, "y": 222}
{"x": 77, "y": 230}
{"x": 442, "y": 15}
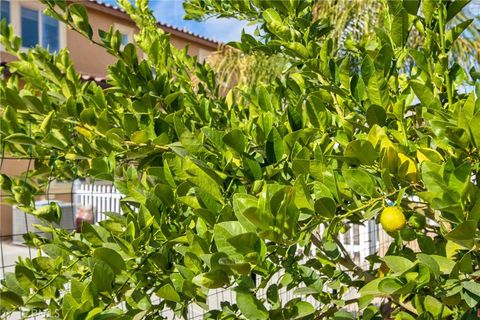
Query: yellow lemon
{"x": 392, "y": 219}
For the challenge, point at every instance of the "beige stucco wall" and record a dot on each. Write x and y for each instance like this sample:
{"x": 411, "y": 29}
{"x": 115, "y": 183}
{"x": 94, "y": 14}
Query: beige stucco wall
{"x": 92, "y": 59}
{"x": 15, "y": 167}
{"x": 10, "y": 167}
{"x": 89, "y": 58}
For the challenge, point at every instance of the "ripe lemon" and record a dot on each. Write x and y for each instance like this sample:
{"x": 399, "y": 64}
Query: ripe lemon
{"x": 392, "y": 219}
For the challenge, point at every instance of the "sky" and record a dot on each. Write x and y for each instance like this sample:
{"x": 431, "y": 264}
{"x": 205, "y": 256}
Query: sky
{"x": 221, "y": 29}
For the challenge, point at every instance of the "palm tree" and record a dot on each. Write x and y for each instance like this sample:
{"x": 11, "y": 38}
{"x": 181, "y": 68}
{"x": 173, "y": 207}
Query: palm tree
{"x": 352, "y": 19}
{"x": 236, "y": 68}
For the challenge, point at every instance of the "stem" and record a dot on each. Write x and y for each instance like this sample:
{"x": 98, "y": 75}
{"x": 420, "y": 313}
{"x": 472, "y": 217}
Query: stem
{"x": 45, "y": 285}
{"x": 444, "y": 57}
{"x": 406, "y": 306}
{"x": 348, "y": 263}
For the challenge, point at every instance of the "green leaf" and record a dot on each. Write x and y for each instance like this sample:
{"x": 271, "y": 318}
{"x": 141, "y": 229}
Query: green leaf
{"x": 331, "y": 250}
{"x": 325, "y": 207}
{"x": 299, "y": 309}
{"x": 294, "y": 118}
{"x": 398, "y": 264}
{"x": 79, "y": 17}
{"x": 254, "y": 169}
{"x": 46, "y": 125}
{"x": 245, "y": 242}
{"x": 111, "y": 258}
{"x": 424, "y": 94}
{"x": 264, "y": 99}
{"x": 472, "y": 286}
{"x": 429, "y": 7}
{"x": 165, "y": 194}
{"x": 236, "y": 140}
{"x": 359, "y": 181}
{"x": 430, "y": 262}
{"x": 463, "y": 234}
{"x": 475, "y": 129}
{"x": 271, "y": 16}
{"x": 455, "y": 7}
{"x": 377, "y": 89}
{"x": 469, "y": 298}
{"x": 297, "y": 49}
{"x": 140, "y": 137}
{"x": 20, "y": 138}
{"x": 13, "y": 285}
{"x": 399, "y": 28}
{"x": 249, "y": 305}
{"x": 371, "y": 288}
{"x": 88, "y": 116}
{"x": 342, "y": 315}
{"x": 51, "y": 212}
{"x": 223, "y": 232}
{"x": 169, "y": 293}
{"x": 212, "y": 279}
{"x": 241, "y": 203}
{"x": 10, "y": 300}
{"x": 25, "y": 277}
{"x": 240, "y": 267}
{"x": 411, "y": 6}
{"x": 172, "y": 97}
{"x": 55, "y": 250}
{"x": 103, "y": 276}
{"x": 390, "y": 285}
{"x": 456, "y": 31}
{"x": 436, "y": 308}
{"x": 357, "y": 87}
{"x": 376, "y": 115}
{"x": 361, "y": 150}
{"x": 446, "y": 265}
{"x": 274, "y": 147}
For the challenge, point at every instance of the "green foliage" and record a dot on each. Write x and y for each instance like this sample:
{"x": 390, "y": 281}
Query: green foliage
{"x": 221, "y": 187}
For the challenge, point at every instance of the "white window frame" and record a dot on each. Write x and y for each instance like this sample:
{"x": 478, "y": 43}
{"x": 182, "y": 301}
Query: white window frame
{"x": 124, "y": 30}
{"x": 9, "y": 9}
{"x": 203, "y": 54}
{"x": 16, "y": 21}
{"x": 2, "y": 47}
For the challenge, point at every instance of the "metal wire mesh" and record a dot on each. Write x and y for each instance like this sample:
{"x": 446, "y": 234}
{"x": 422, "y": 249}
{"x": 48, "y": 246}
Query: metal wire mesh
{"x": 360, "y": 241}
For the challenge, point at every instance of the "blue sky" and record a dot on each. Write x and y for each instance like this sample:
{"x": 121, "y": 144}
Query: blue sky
{"x": 171, "y": 12}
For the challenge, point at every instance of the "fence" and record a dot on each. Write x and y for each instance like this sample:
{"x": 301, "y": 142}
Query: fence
{"x": 359, "y": 240}
{"x": 101, "y": 197}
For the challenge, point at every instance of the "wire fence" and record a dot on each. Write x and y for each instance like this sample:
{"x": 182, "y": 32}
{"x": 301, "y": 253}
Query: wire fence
{"x": 91, "y": 199}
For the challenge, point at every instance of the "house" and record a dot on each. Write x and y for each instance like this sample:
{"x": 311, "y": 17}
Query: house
{"x": 90, "y": 60}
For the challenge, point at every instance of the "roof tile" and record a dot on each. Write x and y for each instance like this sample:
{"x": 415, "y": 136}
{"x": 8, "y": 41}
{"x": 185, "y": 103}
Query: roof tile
{"x": 184, "y": 30}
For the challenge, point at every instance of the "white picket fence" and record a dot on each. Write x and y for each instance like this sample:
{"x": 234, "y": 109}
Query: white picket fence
{"x": 102, "y": 198}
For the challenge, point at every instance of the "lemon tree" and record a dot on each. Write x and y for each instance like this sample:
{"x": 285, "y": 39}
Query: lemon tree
{"x": 221, "y": 189}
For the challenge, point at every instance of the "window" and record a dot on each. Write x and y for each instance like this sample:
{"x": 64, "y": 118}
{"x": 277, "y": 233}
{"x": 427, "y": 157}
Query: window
{"x": 126, "y": 34}
{"x": 50, "y": 36}
{"x": 36, "y": 26}
{"x": 202, "y": 55}
{"x": 5, "y": 10}
{"x": 356, "y": 234}
{"x": 124, "y": 39}
{"x": 346, "y": 237}
{"x": 30, "y": 28}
